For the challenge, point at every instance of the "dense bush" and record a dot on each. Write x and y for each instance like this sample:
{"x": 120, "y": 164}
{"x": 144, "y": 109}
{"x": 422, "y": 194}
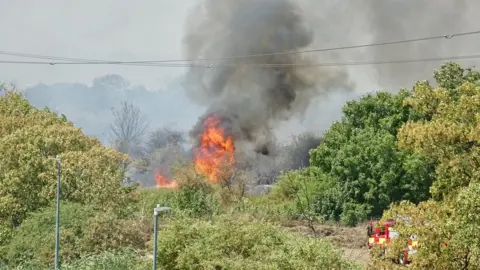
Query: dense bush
{"x": 126, "y": 259}
{"x": 319, "y": 196}
{"x": 149, "y": 198}
{"x": 83, "y": 232}
{"x": 122, "y": 260}
{"x": 30, "y": 139}
{"x": 242, "y": 244}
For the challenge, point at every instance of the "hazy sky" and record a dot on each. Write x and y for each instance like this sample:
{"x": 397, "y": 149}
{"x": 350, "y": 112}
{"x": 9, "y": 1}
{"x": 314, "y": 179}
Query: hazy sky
{"x": 94, "y": 29}
{"x": 154, "y": 29}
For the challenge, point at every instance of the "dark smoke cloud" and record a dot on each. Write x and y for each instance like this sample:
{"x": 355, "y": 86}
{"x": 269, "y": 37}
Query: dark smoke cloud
{"x": 256, "y": 104}
{"x": 253, "y": 101}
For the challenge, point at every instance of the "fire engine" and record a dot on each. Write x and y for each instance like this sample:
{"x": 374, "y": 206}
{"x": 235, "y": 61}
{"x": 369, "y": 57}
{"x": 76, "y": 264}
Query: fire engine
{"x": 381, "y": 235}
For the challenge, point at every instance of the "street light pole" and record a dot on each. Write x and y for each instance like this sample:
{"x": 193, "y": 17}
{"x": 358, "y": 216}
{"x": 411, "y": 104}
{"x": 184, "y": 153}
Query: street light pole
{"x": 159, "y": 209}
{"x": 57, "y": 222}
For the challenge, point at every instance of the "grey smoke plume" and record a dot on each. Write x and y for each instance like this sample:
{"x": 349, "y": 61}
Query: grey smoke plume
{"x": 290, "y": 156}
{"x": 351, "y": 22}
{"x": 164, "y": 148}
{"x": 252, "y": 101}
{"x": 397, "y": 20}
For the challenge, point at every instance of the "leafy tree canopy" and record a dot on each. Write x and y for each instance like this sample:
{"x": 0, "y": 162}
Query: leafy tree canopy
{"x": 360, "y": 152}
{"x": 452, "y": 136}
{"x": 386, "y": 148}
{"x": 452, "y": 139}
{"x": 30, "y": 139}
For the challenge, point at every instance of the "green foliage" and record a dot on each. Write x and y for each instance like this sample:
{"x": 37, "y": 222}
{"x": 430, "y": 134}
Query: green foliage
{"x": 360, "y": 151}
{"x": 380, "y": 111}
{"x": 359, "y": 158}
{"x": 371, "y": 170}
{"x": 195, "y": 201}
{"x": 359, "y": 165}
{"x": 242, "y": 244}
{"x": 319, "y": 197}
{"x": 195, "y": 195}
{"x": 451, "y": 139}
{"x": 305, "y": 204}
{"x": 84, "y": 231}
{"x": 288, "y": 185}
{"x": 149, "y": 198}
{"x": 34, "y": 240}
{"x": 29, "y": 141}
{"x": 122, "y": 260}
{"x": 450, "y": 76}
{"x": 307, "y": 193}
{"x": 354, "y": 213}
{"x": 269, "y": 208}
{"x": 329, "y": 202}
{"x": 453, "y": 221}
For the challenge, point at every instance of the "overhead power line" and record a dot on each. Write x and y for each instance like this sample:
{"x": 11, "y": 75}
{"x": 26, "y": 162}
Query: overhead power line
{"x": 333, "y": 64}
{"x": 90, "y": 61}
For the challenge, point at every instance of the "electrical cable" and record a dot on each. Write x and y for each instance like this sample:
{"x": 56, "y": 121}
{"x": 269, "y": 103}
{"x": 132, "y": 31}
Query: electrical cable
{"x": 81, "y": 60}
{"x": 226, "y": 65}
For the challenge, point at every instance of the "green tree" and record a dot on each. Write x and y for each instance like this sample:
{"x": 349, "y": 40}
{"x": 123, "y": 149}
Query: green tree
{"x": 447, "y": 230}
{"x": 451, "y": 138}
{"x": 360, "y": 152}
{"x": 30, "y": 139}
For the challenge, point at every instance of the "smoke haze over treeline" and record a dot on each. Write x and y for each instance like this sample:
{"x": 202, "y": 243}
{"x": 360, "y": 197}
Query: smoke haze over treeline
{"x": 264, "y": 106}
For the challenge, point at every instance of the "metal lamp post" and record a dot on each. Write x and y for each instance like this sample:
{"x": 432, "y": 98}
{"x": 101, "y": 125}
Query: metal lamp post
{"x": 159, "y": 209}
{"x": 57, "y": 223}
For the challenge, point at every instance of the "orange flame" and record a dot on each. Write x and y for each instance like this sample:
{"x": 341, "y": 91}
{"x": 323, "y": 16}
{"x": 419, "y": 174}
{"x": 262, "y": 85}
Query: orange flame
{"x": 163, "y": 181}
{"x": 215, "y": 149}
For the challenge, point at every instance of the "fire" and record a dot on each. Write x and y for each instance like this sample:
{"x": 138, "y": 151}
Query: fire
{"x": 163, "y": 181}
{"x": 215, "y": 150}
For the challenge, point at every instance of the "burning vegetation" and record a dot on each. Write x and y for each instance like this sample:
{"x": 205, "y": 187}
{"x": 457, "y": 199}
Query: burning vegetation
{"x": 215, "y": 150}
{"x": 245, "y": 103}
{"x": 213, "y": 153}
{"x": 163, "y": 181}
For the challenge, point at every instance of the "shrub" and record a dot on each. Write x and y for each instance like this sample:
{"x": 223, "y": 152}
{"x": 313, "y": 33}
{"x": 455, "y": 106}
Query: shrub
{"x": 195, "y": 196}
{"x": 30, "y": 139}
{"x": 269, "y": 208}
{"x": 83, "y": 232}
{"x": 329, "y": 202}
{"x": 149, "y": 198}
{"x": 122, "y": 260}
{"x": 354, "y": 213}
{"x": 242, "y": 244}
